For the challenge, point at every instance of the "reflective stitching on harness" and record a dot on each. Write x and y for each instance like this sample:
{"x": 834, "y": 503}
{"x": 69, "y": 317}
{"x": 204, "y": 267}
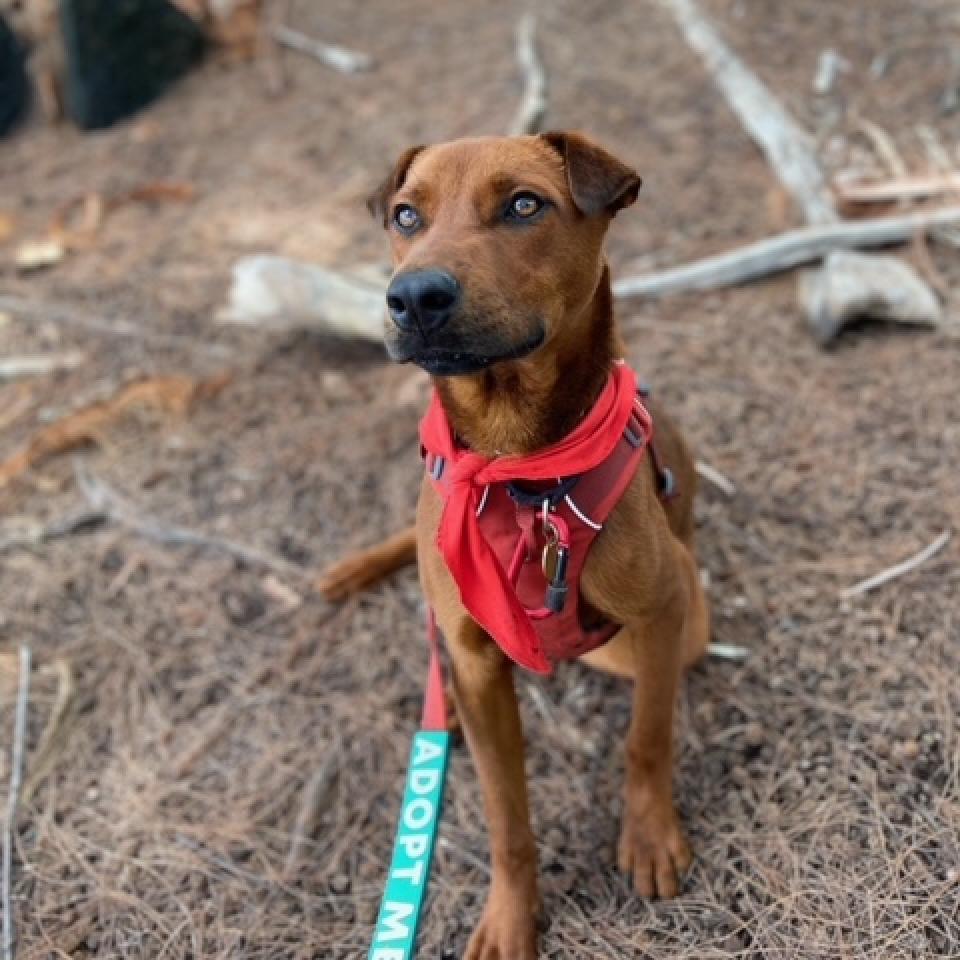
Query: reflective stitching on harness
{"x": 581, "y": 516}
{"x": 483, "y": 499}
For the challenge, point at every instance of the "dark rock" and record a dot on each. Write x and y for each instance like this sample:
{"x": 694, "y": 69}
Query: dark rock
{"x": 122, "y": 55}
{"x": 13, "y": 79}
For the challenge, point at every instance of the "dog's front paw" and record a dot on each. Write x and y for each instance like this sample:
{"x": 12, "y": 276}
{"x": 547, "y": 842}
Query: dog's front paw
{"x": 653, "y": 849}
{"x": 507, "y": 931}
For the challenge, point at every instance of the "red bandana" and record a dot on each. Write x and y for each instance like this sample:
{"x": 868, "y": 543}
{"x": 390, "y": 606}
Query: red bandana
{"x": 485, "y": 588}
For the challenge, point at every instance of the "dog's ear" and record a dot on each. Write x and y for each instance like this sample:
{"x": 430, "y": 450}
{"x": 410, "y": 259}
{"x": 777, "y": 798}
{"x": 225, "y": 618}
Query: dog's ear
{"x": 598, "y": 181}
{"x": 379, "y": 201}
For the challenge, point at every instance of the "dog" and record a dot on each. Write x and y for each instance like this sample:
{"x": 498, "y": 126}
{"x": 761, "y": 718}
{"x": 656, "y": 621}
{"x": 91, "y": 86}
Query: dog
{"x": 501, "y": 292}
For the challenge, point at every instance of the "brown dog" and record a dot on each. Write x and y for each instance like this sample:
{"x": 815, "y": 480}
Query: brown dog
{"x": 502, "y": 293}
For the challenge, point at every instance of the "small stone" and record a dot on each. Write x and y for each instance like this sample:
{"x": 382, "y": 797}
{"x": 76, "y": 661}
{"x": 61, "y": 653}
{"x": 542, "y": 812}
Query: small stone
{"x": 336, "y": 385}
{"x": 242, "y": 608}
{"x": 340, "y": 884}
{"x": 754, "y": 736}
{"x": 555, "y": 840}
{"x": 908, "y": 750}
{"x": 953, "y": 875}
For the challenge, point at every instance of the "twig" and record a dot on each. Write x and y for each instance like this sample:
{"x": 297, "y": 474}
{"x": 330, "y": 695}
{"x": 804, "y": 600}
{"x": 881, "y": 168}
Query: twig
{"x": 314, "y": 793}
{"x": 70, "y": 316}
{"x": 783, "y": 252}
{"x": 339, "y": 58}
{"x": 728, "y": 651}
{"x": 883, "y": 146}
{"x": 44, "y": 755}
{"x": 533, "y": 106}
{"x": 902, "y": 188}
{"x": 714, "y": 476}
{"x": 936, "y": 152}
{"x": 38, "y": 365}
{"x": 898, "y": 570}
{"x": 33, "y": 534}
{"x": 103, "y": 498}
{"x": 13, "y": 797}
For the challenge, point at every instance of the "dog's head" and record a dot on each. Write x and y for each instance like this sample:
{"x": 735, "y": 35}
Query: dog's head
{"x": 497, "y": 244}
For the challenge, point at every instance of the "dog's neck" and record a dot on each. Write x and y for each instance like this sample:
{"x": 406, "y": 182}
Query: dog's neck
{"x": 524, "y": 405}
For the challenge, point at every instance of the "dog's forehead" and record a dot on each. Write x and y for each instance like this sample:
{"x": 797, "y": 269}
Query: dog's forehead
{"x": 473, "y": 163}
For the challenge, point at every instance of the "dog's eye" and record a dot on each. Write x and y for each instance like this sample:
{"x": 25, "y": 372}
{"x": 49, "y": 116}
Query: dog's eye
{"x": 524, "y": 205}
{"x": 406, "y": 218}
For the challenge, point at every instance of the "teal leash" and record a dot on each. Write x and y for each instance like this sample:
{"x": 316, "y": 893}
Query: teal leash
{"x": 395, "y": 935}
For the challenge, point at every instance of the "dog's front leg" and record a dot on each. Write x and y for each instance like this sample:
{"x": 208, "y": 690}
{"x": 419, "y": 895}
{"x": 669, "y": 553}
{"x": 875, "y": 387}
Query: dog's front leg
{"x": 487, "y": 709}
{"x": 653, "y": 849}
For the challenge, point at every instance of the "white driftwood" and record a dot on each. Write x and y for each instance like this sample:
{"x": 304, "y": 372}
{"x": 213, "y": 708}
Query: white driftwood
{"x": 906, "y": 188}
{"x": 786, "y": 145}
{"x": 276, "y": 292}
{"x": 711, "y": 474}
{"x": 13, "y": 799}
{"x": 106, "y": 501}
{"x": 533, "y": 106}
{"x": 898, "y": 570}
{"x": 853, "y": 285}
{"x": 339, "y": 58}
{"x": 39, "y": 364}
{"x": 783, "y": 252}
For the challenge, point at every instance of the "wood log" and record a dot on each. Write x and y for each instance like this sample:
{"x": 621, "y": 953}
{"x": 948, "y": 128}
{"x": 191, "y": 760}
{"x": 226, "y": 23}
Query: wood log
{"x": 783, "y": 252}
{"x": 276, "y": 292}
{"x": 853, "y": 285}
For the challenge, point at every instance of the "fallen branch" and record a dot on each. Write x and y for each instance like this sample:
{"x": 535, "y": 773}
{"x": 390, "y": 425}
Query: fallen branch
{"x": 172, "y": 394}
{"x": 533, "y": 106}
{"x": 339, "y": 58}
{"x": 784, "y": 251}
{"x": 898, "y": 570}
{"x": 103, "y": 498}
{"x": 69, "y": 316}
{"x": 13, "y": 798}
{"x": 714, "y": 476}
{"x": 905, "y": 188}
{"x": 38, "y": 365}
{"x": 786, "y": 146}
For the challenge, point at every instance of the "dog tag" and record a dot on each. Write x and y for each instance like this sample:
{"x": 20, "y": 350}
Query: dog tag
{"x": 549, "y": 560}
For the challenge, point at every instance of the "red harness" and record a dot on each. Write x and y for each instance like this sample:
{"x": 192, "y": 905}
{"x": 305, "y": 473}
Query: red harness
{"x": 516, "y": 550}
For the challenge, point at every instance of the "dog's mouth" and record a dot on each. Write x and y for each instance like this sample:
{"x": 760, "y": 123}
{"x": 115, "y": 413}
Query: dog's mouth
{"x": 454, "y": 360}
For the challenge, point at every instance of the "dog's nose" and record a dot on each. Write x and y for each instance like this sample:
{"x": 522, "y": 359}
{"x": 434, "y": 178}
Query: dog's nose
{"x": 423, "y": 299}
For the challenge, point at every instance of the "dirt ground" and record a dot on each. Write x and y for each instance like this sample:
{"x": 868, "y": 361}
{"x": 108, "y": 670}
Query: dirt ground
{"x": 199, "y": 703}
